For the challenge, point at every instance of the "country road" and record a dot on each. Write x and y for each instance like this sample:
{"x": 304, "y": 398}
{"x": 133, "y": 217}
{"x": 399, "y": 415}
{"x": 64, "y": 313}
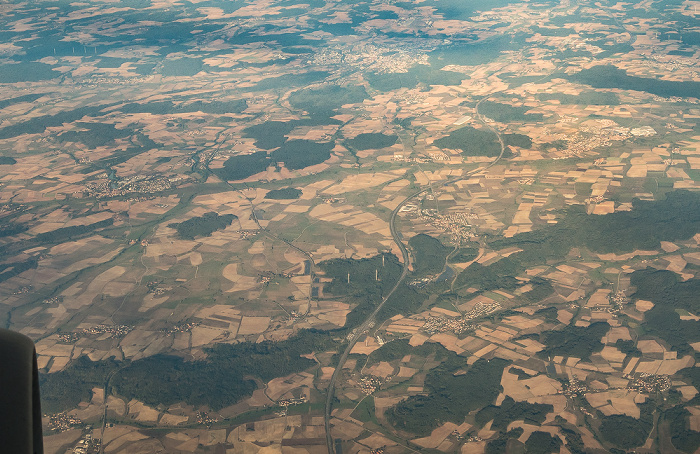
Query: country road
{"x": 396, "y": 236}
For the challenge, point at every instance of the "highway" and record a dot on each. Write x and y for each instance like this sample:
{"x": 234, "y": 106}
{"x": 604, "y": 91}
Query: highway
{"x": 396, "y": 236}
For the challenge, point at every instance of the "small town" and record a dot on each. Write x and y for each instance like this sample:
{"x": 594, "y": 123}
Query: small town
{"x": 143, "y": 184}
{"x": 650, "y": 383}
{"x": 461, "y": 325}
{"x": 60, "y": 422}
{"x": 116, "y": 331}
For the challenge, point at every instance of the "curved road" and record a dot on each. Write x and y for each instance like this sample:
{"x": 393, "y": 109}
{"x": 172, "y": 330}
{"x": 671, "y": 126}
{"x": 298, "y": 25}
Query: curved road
{"x": 396, "y": 236}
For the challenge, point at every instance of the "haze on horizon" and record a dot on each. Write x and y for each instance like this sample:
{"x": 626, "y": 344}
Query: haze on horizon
{"x": 370, "y": 226}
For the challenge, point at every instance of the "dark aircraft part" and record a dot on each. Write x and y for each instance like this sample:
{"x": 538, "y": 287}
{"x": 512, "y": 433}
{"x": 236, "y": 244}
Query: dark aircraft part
{"x": 20, "y": 410}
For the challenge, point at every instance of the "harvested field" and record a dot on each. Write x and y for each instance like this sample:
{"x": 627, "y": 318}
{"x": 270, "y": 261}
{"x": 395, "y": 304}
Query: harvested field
{"x": 381, "y": 370}
{"x": 95, "y": 287}
{"x": 365, "y": 347}
{"x": 345, "y": 429}
{"x": 172, "y": 420}
{"x": 278, "y": 387}
{"x": 241, "y": 283}
{"x": 55, "y": 444}
{"x": 361, "y": 182}
{"x": 253, "y": 325}
{"x": 376, "y": 441}
{"x": 643, "y": 305}
{"x": 143, "y": 412}
{"x": 204, "y": 335}
{"x": 120, "y": 438}
{"x": 437, "y": 436}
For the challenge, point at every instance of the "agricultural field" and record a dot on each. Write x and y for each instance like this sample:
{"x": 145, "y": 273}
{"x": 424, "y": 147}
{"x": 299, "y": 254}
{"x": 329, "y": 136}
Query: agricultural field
{"x": 360, "y": 227}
